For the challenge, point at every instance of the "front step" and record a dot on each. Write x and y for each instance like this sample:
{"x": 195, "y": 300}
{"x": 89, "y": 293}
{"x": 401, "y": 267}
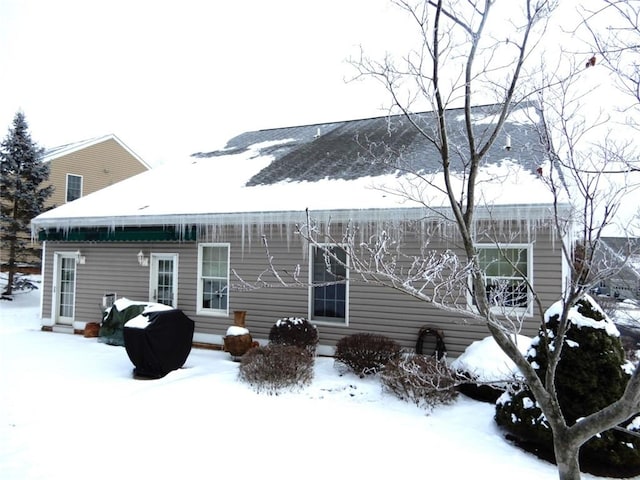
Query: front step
{"x": 62, "y": 329}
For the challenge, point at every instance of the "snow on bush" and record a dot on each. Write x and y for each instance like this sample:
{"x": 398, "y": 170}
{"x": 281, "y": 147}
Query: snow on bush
{"x": 295, "y": 331}
{"x": 485, "y": 361}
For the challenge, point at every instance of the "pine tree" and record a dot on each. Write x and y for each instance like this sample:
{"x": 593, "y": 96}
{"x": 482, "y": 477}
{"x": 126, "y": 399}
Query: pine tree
{"x": 21, "y": 194}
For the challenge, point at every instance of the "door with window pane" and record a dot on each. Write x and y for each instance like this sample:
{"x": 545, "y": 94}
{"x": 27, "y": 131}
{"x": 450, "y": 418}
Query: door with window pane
{"x": 65, "y": 288}
{"x": 163, "y": 287}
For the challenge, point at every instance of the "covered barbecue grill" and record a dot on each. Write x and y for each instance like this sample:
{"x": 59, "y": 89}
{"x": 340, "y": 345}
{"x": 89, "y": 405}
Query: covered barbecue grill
{"x": 158, "y": 342}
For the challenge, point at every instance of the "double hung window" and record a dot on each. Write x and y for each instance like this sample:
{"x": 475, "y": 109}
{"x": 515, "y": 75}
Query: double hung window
{"x": 74, "y": 187}
{"x": 213, "y": 279}
{"x": 329, "y": 290}
{"x": 507, "y": 272}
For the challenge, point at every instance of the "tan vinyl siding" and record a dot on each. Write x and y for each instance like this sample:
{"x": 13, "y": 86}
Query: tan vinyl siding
{"x": 99, "y": 165}
{"x": 113, "y": 267}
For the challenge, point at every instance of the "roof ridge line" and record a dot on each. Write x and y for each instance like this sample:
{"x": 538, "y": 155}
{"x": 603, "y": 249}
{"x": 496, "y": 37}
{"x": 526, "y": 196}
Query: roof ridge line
{"x": 373, "y": 118}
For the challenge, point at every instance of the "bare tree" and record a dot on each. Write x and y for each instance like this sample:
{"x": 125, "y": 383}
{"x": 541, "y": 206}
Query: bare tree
{"x": 461, "y": 61}
{"x": 614, "y": 31}
{"x": 617, "y": 45}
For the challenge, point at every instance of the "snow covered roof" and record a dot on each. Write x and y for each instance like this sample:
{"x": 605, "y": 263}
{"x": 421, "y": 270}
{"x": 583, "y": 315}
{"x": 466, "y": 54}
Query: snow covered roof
{"x": 348, "y": 168}
{"x": 375, "y": 146}
{"x": 61, "y": 150}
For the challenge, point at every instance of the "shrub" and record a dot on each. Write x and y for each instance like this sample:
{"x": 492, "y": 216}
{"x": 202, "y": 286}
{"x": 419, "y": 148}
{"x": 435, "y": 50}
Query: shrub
{"x": 420, "y": 379}
{"x": 484, "y": 371}
{"x": 295, "y": 331}
{"x": 274, "y": 368}
{"x": 366, "y": 353}
{"x": 592, "y": 373}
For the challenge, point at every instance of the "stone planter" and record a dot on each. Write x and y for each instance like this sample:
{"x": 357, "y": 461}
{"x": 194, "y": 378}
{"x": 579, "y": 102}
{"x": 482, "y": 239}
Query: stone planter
{"x": 237, "y": 345}
{"x": 238, "y": 339}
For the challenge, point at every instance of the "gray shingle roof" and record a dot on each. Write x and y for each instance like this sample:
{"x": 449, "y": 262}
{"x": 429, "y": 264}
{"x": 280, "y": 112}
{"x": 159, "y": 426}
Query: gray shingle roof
{"x": 375, "y": 146}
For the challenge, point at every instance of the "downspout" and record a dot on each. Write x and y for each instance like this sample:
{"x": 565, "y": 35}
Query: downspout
{"x": 42, "y": 276}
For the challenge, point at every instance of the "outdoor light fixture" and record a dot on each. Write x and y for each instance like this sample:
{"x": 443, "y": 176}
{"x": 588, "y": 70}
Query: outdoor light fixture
{"x": 142, "y": 260}
{"x": 79, "y": 258}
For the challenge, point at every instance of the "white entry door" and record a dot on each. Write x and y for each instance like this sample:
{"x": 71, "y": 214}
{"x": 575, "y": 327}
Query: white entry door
{"x": 64, "y": 288}
{"x": 163, "y": 285}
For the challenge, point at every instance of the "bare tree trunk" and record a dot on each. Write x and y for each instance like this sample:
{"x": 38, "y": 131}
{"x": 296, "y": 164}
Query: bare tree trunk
{"x": 10, "y": 276}
{"x": 11, "y": 266}
{"x": 566, "y": 451}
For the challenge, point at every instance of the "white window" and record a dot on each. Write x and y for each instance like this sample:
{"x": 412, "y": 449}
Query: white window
{"x": 507, "y": 271}
{"x": 329, "y": 280}
{"x": 213, "y": 279}
{"x": 74, "y": 187}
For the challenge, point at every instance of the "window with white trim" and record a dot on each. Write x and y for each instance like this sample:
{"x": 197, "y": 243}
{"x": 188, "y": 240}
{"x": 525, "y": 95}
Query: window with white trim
{"x": 213, "y": 279}
{"x": 74, "y": 187}
{"x": 507, "y": 271}
{"x": 329, "y": 278}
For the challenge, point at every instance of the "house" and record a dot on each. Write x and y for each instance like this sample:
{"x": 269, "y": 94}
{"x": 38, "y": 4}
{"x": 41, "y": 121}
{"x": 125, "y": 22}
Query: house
{"x": 80, "y": 168}
{"x": 620, "y": 256}
{"x": 83, "y": 167}
{"x": 217, "y": 232}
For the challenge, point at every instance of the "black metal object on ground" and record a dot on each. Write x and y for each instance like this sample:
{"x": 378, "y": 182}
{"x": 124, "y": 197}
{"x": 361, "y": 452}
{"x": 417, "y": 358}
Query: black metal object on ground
{"x": 161, "y": 346}
{"x": 439, "y": 349}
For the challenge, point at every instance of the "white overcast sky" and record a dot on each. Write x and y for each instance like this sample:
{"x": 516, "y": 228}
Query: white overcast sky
{"x": 171, "y": 78}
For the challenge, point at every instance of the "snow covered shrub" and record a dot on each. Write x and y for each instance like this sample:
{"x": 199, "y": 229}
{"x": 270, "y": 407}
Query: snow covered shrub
{"x": 295, "y": 331}
{"x": 366, "y": 353}
{"x": 484, "y": 371}
{"x": 274, "y": 368}
{"x": 591, "y": 374}
{"x": 420, "y": 379}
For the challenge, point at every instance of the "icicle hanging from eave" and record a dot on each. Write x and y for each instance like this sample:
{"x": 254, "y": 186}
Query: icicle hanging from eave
{"x": 248, "y": 225}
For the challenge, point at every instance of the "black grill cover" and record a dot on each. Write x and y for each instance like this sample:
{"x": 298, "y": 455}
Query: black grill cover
{"x": 162, "y": 346}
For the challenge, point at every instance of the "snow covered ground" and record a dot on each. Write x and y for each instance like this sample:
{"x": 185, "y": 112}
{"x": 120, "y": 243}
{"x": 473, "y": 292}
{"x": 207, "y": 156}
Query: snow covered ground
{"x": 70, "y": 409}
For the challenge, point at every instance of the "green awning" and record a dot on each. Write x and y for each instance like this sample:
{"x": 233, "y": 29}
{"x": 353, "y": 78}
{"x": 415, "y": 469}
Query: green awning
{"x": 126, "y": 234}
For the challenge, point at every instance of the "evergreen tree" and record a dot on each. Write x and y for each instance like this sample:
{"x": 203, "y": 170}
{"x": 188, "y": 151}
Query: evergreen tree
{"x": 21, "y": 194}
{"x": 592, "y": 373}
